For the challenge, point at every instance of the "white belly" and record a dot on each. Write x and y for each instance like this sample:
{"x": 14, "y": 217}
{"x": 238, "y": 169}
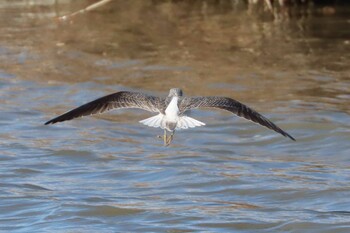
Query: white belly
{"x": 172, "y": 111}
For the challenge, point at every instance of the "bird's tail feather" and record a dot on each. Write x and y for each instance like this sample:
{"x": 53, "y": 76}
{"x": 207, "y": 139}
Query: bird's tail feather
{"x": 155, "y": 121}
{"x": 186, "y": 122}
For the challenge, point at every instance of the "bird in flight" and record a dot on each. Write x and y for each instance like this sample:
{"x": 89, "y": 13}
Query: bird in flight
{"x": 171, "y": 110}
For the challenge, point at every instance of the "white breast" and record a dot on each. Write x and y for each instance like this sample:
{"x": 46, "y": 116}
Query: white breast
{"x": 172, "y": 111}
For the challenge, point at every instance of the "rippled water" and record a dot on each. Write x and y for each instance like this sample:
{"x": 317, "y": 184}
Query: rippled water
{"x": 111, "y": 174}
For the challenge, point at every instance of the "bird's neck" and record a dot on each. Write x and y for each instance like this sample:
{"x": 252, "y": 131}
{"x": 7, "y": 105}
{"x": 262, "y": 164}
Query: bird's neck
{"x": 173, "y": 109}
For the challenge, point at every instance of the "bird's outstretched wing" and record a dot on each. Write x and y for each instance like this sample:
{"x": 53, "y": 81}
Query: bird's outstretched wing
{"x": 230, "y": 105}
{"x": 123, "y": 99}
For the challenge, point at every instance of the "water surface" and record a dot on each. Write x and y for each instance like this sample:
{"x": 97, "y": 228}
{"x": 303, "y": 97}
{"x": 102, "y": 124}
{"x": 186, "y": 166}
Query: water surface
{"x": 111, "y": 174}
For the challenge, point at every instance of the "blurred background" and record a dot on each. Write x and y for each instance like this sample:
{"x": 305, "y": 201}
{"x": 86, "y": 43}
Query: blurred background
{"x": 287, "y": 59}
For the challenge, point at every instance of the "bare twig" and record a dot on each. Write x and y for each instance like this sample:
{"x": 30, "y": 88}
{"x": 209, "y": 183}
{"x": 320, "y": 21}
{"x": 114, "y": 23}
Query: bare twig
{"x": 86, "y": 9}
{"x": 269, "y": 5}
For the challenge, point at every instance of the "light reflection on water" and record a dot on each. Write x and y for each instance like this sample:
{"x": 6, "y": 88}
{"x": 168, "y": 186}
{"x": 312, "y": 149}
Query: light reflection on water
{"x": 109, "y": 173}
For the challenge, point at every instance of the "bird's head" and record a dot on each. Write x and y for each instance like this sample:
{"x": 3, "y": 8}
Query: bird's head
{"x": 175, "y": 92}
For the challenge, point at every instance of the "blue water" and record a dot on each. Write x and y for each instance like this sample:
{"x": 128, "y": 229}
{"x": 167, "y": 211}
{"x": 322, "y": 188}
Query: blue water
{"x": 109, "y": 173}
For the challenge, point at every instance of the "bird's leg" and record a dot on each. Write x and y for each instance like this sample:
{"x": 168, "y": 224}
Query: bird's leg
{"x": 170, "y": 138}
{"x": 165, "y": 138}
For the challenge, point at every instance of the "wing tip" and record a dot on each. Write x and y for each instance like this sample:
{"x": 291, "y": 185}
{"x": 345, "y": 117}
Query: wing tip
{"x": 289, "y": 136}
{"x": 50, "y": 122}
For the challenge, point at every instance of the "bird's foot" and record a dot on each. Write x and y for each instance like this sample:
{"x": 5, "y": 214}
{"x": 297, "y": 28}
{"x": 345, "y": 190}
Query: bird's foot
{"x": 169, "y": 140}
{"x": 166, "y": 139}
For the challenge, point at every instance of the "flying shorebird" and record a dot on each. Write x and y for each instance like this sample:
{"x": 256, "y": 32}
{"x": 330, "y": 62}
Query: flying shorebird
{"x": 171, "y": 110}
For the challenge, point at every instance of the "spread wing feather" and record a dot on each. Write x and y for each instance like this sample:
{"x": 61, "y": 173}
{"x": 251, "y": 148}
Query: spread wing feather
{"x": 123, "y": 99}
{"x": 230, "y": 105}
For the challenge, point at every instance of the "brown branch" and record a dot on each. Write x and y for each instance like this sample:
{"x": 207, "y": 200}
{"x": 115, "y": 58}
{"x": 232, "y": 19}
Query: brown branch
{"x": 86, "y": 9}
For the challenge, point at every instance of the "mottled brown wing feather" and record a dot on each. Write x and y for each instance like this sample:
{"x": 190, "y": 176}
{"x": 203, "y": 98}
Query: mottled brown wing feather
{"x": 230, "y": 105}
{"x": 117, "y": 100}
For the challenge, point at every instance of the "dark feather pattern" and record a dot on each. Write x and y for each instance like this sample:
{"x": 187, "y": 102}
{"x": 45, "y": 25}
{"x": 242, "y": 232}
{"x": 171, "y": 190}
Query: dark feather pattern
{"x": 232, "y": 106}
{"x": 123, "y": 99}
